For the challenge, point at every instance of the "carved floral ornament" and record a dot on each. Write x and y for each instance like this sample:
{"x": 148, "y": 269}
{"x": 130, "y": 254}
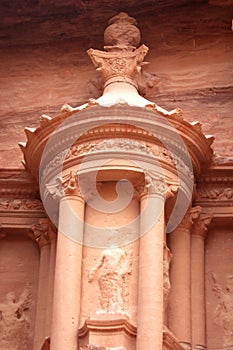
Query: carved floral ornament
{"x": 20, "y": 204}
{"x": 215, "y": 193}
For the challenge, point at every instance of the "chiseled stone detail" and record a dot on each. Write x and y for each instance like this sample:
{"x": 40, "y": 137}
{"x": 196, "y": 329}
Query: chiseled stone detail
{"x": 157, "y": 185}
{"x": 189, "y": 218}
{"x": 200, "y": 226}
{"x": 20, "y": 204}
{"x": 167, "y": 257}
{"x": 122, "y": 60}
{"x": 43, "y": 233}
{"x": 15, "y": 320}
{"x": 114, "y": 266}
{"x": 223, "y": 314}
{"x": 217, "y": 193}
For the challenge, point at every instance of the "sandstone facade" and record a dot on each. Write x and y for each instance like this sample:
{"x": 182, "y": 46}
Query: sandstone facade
{"x": 116, "y": 232}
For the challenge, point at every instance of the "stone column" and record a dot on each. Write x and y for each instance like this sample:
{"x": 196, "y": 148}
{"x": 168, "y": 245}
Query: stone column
{"x": 180, "y": 294}
{"x": 198, "y": 281}
{"x": 40, "y": 235}
{"x": 52, "y": 260}
{"x": 150, "y": 292}
{"x": 67, "y": 283}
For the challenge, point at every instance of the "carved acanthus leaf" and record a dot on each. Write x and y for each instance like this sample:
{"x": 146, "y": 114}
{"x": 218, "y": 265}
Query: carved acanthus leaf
{"x": 190, "y": 217}
{"x": 43, "y": 232}
{"x": 200, "y": 226}
{"x": 155, "y": 184}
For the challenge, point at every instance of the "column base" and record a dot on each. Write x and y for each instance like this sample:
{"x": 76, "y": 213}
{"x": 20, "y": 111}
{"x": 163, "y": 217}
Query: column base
{"x": 186, "y": 345}
{"x": 199, "y": 347}
{"x": 110, "y": 333}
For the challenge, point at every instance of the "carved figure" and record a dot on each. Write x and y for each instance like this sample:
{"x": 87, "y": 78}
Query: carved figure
{"x": 14, "y": 321}
{"x": 167, "y": 256}
{"x": 224, "y": 310}
{"x": 114, "y": 266}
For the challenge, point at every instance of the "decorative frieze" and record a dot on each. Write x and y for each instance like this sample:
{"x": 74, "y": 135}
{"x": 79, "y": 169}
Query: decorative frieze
{"x": 20, "y": 204}
{"x": 218, "y": 193}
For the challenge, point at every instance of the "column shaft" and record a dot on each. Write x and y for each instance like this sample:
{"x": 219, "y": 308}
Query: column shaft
{"x": 198, "y": 281}
{"x": 67, "y": 284}
{"x": 40, "y": 331}
{"x": 150, "y": 300}
{"x": 180, "y": 295}
{"x": 198, "y": 292}
{"x": 52, "y": 261}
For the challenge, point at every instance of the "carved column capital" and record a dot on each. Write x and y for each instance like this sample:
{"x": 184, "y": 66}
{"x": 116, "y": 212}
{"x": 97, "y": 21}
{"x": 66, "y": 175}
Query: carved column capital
{"x": 42, "y": 232}
{"x": 156, "y": 185}
{"x": 65, "y": 186}
{"x": 201, "y": 225}
{"x": 190, "y": 217}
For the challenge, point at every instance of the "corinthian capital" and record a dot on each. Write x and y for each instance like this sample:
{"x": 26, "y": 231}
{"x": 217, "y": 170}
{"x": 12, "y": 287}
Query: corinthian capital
{"x": 200, "y": 227}
{"x": 43, "y": 232}
{"x": 155, "y": 184}
{"x": 190, "y": 217}
{"x": 65, "y": 186}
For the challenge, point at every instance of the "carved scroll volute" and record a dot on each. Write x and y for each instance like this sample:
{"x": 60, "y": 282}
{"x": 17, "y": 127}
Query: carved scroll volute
{"x": 200, "y": 227}
{"x": 43, "y": 232}
{"x": 65, "y": 186}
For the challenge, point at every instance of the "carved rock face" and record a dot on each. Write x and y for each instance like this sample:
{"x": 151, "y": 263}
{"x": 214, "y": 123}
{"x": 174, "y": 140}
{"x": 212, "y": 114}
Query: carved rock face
{"x": 122, "y": 32}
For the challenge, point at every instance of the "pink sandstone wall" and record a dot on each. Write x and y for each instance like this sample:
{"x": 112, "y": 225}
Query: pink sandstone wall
{"x": 44, "y": 64}
{"x": 219, "y": 288}
{"x": 19, "y": 263}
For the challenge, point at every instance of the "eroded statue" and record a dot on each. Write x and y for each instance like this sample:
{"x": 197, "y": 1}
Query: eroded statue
{"x": 113, "y": 267}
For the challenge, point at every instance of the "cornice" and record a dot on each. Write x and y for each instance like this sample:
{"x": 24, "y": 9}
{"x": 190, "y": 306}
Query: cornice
{"x": 121, "y": 116}
{"x": 17, "y": 184}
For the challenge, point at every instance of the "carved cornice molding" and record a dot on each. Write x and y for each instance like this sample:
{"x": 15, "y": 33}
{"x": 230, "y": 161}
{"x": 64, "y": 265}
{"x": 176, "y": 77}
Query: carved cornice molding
{"x": 17, "y": 184}
{"x": 43, "y": 232}
{"x": 107, "y": 325}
